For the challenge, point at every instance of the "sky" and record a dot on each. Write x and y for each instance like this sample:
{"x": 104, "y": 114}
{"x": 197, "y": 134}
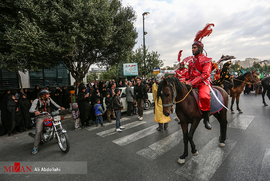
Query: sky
{"x": 242, "y": 27}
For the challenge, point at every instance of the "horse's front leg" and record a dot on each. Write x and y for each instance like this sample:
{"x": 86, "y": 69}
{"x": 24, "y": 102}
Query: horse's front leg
{"x": 190, "y": 137}
{"x": 237, "y": 104}
{"x": 184, "y": 126}
{"x": 263, "y": 94}
{"x": 233, "y": 97}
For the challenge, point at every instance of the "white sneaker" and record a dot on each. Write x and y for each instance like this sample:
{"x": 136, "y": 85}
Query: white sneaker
{"x": 122, "y": 127}
{"x": 118, "y": 130}
{"x": 141, "y": 118}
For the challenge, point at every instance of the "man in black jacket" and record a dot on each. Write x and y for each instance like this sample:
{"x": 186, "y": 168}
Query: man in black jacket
{"x": 141, "y": 96}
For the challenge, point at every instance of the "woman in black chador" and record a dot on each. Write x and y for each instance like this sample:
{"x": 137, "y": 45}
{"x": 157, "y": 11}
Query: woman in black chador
{"x": 35, "y": 93}
{"x": 65, "y": 98}
{"x": 24, "y": 106}
{"x": 4, "y": 112}
{"x": 83, "y": 103}
{"x": 14, "y": 115}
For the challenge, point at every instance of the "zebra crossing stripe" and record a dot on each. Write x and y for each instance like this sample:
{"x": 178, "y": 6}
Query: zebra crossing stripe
{"x": 135, "y": 136}
{"x": 162, "y": 146}
{"x": 127, "y": 126}
{"x": 106, "y": 124}
{"x": 241, "y": 122}
{"x": 148, "y": 112}
{"x": 207, "y": 162}
{"x": 264, "y": 173}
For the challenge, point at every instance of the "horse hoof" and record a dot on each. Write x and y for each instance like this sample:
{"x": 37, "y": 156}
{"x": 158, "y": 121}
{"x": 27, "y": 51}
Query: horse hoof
{"x": 181, "y": 161}
{"x": 240, "y": 111}
{"x": 222, "y": 144}
{"x": 232, "y": 112}
{"x": 265, "y": 104}
{"x": 196, "y": 153}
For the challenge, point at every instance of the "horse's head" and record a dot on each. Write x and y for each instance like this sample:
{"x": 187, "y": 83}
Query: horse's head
{"x": 253, "y": 78}
{"x": 167, "y": 94}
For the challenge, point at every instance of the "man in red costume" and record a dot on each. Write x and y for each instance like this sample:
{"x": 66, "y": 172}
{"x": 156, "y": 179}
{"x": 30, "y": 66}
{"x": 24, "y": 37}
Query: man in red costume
{"x": 181, "y": 73}
{"x": 198, "y": 77}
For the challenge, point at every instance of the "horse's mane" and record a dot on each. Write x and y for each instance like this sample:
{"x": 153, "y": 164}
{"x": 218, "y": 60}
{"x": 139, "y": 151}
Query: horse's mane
{"x": 174, "y": 81}
{"x": 241, "y": 78}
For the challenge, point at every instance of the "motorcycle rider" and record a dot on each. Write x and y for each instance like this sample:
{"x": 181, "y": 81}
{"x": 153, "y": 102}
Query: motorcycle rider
{"x": 42, "y": 104}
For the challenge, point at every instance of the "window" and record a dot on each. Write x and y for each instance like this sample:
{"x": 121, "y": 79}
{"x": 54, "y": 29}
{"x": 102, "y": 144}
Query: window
{"x": 50, "y": 77}
{"x": 8, "y": 79}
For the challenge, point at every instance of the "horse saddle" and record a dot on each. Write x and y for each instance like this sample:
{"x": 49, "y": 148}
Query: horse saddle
{"x": 215, "y": 106}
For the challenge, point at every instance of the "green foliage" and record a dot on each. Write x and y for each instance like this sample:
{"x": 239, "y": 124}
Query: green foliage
{"x": 256, "y": 67}
{"x": 152, "y": 60}
{"x": 109, "y": 74}
{"x": 92, "y": 77}
{"x": 77, "y": 33}
{"x": 234, "y": 67}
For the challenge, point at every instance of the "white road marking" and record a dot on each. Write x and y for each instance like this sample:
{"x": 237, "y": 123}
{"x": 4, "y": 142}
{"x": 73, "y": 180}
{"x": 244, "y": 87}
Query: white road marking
{"x": 265, "y": 170}
{"x": 148, "y": 112}
{"x": 162, "y": 146}
{"x": 136, "y": 136}
{"x": 127, "y": 126}
{"x": 203, "y": 166}
{"x": 106, "y": 124}
{"x": 241, "y": 122}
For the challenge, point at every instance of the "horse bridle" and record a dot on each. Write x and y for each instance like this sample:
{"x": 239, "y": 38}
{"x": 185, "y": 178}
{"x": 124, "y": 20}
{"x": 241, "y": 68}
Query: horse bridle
{"x": 248, "y": 82}
{"x": 174, "y": 96}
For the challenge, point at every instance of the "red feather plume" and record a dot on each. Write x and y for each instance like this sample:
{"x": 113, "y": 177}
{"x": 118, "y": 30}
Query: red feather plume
{"x": 179, "y": 55}
{"x": 205, "y": 32}
{"x": 187, "y": 59}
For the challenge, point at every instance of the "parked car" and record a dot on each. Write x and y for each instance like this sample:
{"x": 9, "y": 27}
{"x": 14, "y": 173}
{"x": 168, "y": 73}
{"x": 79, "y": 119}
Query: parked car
{"x": 147, "y": 104}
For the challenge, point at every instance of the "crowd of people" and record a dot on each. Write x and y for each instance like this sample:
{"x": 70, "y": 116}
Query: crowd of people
{"x": 15, "y": 116}
{"x": 97, "y": 96}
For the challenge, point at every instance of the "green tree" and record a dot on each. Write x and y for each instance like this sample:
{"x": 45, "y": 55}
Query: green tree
{"x": 152, "y": 60}
{"x": 91, "y": 77}
{"x": 256, "y": 67}
{"x": 109, "y": 74}
{"x": 234, "y": 67}
{"x": 16, "y": 54}
{"x": 77, "y": 33}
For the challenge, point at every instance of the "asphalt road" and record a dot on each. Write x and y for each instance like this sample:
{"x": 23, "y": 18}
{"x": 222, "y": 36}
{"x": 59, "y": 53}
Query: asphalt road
{"x": 140, "y": 152}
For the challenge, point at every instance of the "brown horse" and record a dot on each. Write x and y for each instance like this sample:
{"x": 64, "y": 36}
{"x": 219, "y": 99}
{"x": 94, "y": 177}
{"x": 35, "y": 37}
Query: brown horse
{"x": 172, "y": 91}
{"x": 266, "y": 89}
{"x": 239, "y": 84}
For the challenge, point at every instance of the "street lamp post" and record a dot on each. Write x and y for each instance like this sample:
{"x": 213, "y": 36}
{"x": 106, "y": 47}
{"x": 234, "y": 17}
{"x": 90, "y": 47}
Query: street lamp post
{"x": 144, "y": 33}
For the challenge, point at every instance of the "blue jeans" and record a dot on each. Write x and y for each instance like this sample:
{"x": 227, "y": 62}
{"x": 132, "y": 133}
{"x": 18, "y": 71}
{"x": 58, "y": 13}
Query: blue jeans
{"x": 99, "y": 119}
{"x": 118, "y": 115}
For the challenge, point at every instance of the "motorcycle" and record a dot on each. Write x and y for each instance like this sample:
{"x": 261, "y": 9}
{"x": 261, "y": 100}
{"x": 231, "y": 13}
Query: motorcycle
{"x": 52, "y": 128}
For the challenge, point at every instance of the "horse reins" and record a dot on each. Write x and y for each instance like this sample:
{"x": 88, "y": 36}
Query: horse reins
{"x": 248, "y": 82}
{"x": 175, "y": 95}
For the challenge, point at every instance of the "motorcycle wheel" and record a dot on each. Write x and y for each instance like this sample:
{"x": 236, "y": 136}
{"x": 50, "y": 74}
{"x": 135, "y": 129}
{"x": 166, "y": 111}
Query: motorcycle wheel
{"x": 63, "y": 142}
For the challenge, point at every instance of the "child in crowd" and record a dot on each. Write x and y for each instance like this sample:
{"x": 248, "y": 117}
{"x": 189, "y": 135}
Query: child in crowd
{"x": 75, "y": 115}
{"x": 99, "y": 112}
{"x": 109, "y": 106}
{"x": 135, "y": 108}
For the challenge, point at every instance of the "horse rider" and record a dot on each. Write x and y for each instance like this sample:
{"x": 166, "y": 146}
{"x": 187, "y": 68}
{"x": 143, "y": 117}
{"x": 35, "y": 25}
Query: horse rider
{"x": 240, "y": 71}
{"x": 181, "y": 73}
{"x": 199, "y": 72}
{"x": 225, "y": 77}
{"x": 217, "y": 74}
